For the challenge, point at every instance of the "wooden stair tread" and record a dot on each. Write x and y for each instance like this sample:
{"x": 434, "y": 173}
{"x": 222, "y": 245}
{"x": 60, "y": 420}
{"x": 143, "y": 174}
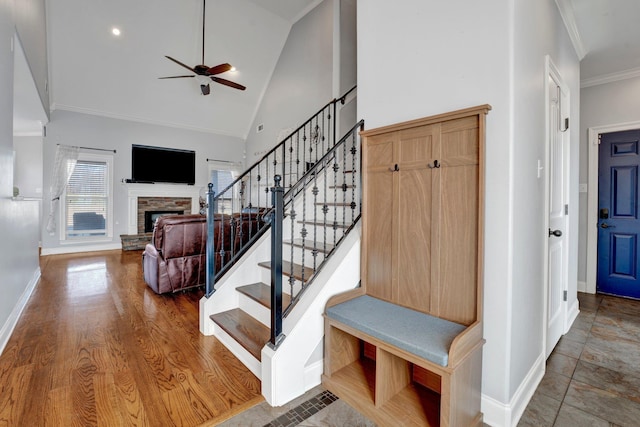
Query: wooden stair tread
{"x": 261, "y": 292}
{"x": 246, "y": 330}
{"x": 287, "y": 268}
{"x": 308, "y": 244}
{"x": 328, "y": 223}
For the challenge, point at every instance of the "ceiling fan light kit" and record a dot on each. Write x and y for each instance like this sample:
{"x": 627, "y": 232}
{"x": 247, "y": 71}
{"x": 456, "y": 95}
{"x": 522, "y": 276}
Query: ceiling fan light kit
{"x": 204, "y": 70}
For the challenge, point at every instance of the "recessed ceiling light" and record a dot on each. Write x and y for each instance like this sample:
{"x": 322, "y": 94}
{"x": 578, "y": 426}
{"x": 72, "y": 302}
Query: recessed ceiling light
{"x": 115, "y": 31}
{"x": 232, "y": 69}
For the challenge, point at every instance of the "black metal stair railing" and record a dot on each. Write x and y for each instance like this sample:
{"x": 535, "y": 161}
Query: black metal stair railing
{"x": 236, "y": 213}
{"x": 321, "y": 208}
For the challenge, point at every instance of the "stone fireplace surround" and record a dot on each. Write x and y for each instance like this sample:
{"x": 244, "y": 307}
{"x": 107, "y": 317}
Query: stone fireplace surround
{"x": 158, "y": 197}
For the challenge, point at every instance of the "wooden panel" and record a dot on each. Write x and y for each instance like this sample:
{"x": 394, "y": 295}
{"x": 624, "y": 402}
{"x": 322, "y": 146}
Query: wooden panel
{"x": 377, "y": 241}
{"x": 379, "y": 151}
{"x": 413, "y": 224}
{"x": 396, "y": 373}
{"x": 426, "y": 378}
{"x": 369, "y": 350}
{"x": 344, "y": 349}
{"x": 415, "y": 145}
{"x": 458, "y": 244}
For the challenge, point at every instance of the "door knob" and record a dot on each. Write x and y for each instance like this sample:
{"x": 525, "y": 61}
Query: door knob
{"x": 605, "y": 225}
{"x": 556, "y": 233}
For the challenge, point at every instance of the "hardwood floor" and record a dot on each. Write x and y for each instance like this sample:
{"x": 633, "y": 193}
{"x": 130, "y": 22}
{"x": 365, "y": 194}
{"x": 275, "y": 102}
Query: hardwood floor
{"x": 96, "y": 347}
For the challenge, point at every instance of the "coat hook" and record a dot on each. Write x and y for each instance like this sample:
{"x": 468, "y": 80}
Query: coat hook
{"x": 435, "y": 165}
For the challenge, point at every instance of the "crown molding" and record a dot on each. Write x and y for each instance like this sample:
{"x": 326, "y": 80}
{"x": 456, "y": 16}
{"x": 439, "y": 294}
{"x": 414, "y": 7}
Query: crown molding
{"x": 568, "y": 17}
{"x": 610, "y": 78}
{"x": 74, "y": 109}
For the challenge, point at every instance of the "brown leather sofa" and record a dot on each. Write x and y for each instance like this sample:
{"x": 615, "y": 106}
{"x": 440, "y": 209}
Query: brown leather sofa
{"x": 176, "y": 257}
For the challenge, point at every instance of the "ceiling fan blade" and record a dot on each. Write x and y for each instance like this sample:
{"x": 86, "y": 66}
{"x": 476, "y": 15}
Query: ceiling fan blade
{"x": 227, "y": 83}
{"x": 174, "y": 77}
{"x": 180, "y": 63}
{"x": 218, "y": 69}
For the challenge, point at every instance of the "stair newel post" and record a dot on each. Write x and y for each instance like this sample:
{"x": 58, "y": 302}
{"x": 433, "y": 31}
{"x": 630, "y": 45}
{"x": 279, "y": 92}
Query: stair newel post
{"x": 277, "y": 215}
{"x": 211, "y": 257}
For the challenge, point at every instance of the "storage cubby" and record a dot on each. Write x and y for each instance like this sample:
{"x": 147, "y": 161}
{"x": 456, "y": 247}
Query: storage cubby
{"x": 371, "y": 378}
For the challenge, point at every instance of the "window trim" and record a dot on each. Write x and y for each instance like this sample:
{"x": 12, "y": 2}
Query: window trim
{"x": 64, "y": 238}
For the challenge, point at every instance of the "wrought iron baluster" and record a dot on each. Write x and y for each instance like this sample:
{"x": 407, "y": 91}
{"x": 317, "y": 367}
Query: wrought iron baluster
{"x": 277, "y": 193}
{"x": 211, "y": 261}
{"x": 303, "y": 232}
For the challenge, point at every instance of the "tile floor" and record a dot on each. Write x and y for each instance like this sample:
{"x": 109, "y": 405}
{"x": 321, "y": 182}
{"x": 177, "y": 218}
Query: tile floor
{"x": 592, "y": 379}
{"x": 593, "y": 374}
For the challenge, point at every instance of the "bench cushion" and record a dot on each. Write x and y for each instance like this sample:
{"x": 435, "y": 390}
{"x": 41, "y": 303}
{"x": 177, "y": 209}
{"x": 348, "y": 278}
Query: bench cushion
{"x": 418, "y": 333}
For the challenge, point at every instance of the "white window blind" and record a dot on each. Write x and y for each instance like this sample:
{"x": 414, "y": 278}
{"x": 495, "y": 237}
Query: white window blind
{"x": 221, "y": 179}
{"x": 87, "y": 200}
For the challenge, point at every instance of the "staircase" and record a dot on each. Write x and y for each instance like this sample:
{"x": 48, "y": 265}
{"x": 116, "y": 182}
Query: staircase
{"x": 262, "y": 306}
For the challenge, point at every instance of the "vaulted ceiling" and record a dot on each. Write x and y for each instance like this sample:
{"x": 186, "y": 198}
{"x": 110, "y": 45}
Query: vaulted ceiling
{"x": 95, "y": 72}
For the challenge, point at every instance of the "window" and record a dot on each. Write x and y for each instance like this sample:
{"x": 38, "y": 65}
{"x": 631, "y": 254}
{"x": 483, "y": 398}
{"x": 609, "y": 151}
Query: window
{"x": 221, "y": 175}
{"x": 87, "y": 200}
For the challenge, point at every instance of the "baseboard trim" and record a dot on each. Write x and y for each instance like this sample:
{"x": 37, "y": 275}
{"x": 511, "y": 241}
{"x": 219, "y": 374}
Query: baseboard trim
{"x": 12, "y": 321}
{"x": 81, "y": 248}
{"x": 572, "y": 315}
{"x": 313, "y": 374}
{"x": 499, "y": 414}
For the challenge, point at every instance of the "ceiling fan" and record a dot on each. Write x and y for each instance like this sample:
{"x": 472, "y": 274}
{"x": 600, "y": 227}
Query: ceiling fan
{"x": 204, "y": 70}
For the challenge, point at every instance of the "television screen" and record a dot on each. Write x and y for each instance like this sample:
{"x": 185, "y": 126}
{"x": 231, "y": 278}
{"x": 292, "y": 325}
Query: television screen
{"x": 158, "y": 164}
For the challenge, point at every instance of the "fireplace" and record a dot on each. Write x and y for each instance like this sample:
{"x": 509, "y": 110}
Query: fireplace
{"x": 149, "y": 208}
{"x": 151, "y": 216}
{"x": 158, "y": 197}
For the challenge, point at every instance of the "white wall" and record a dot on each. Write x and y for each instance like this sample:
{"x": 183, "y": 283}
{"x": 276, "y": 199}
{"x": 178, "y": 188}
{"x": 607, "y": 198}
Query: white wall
{"x": 30, "y": 22}
{"x": 301, "y": 83}
{"x": 539, "y": 31}
{"x": 18, "y": 219}
{"x": 458, "y": 54}
{"x": 85, "y": 130}
{"x": 603, "y": 105}
{"x": 28, "y": 165}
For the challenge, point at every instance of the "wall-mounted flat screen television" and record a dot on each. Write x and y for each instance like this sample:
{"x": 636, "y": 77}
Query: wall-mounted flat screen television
{"x": 159, "y": 164}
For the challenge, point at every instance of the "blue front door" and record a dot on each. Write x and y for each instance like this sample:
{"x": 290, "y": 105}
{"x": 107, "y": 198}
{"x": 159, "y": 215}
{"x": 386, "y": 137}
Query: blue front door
{"x": 618, "y": 219}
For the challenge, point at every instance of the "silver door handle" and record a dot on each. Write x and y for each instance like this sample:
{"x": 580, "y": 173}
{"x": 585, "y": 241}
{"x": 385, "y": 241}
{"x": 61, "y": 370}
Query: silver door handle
{"x": 556, "y": 233}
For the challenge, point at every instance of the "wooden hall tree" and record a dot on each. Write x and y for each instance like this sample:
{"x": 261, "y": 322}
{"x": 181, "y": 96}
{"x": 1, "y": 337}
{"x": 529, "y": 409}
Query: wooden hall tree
{"x": 422, "y": 240}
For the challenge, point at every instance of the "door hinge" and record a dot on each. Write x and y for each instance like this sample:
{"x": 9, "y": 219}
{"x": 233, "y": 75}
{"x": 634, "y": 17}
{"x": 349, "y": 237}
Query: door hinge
{"x": 566, "y": 209}
{"x": 564, "y": 295}
{"x": 599, "y": 138}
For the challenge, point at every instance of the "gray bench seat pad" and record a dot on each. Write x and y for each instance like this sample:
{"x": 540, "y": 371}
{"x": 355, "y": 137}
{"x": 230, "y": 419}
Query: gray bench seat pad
{"x": 418, "y": 333}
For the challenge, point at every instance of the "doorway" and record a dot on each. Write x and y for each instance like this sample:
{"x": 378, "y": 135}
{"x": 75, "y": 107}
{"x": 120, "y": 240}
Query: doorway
{"x": 590, "y": 286}
{"x": 618, "y": 216}
{"x": 556, "y": 185}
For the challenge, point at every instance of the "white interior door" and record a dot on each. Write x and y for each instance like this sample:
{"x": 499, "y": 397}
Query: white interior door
{"x": 557, "y": 222}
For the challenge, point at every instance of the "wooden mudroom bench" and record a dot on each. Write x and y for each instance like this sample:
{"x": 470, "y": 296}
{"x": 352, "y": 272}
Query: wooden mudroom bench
{"x": 405, "y": 348}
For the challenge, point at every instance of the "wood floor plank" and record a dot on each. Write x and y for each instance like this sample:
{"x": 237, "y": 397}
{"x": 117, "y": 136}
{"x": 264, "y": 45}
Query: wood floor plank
{"x": 95, "y": 346}
{"x": 13, "y": 396}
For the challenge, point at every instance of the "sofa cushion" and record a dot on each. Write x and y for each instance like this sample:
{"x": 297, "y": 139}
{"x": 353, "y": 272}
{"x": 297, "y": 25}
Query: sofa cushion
{"x": 418, "y": 333}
